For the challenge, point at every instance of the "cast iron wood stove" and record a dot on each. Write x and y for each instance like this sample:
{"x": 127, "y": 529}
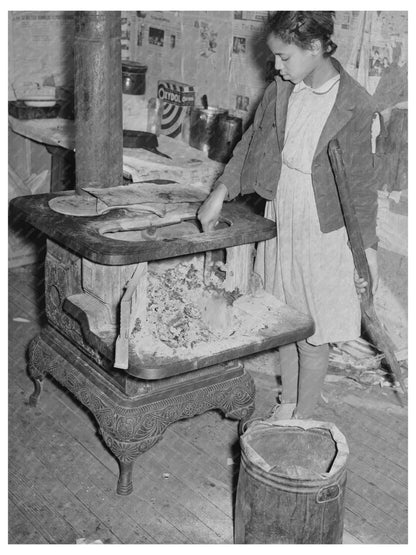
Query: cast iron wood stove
{"x": 96, "y": 287}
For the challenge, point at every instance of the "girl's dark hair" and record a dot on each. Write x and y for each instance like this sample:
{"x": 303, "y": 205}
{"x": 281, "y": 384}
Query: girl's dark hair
{"x": 302, "y": 28}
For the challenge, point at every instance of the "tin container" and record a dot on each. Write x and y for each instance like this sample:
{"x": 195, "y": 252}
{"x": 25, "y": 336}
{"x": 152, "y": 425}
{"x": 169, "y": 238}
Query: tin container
{"x": 133, "y": 77}
{"x": 205, "y": 126}
{"x": 228, "y": 133}
{"x": 214, "y": 131}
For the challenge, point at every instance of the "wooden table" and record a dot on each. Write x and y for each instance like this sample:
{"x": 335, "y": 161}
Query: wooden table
{"x": 58, "y": 137}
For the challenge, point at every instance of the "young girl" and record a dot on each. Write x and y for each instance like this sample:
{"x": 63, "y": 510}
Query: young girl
{"x": 283, "y": 156}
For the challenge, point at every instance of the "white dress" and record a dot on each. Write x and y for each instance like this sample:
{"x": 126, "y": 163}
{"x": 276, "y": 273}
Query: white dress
{"x": 309, "y": 270}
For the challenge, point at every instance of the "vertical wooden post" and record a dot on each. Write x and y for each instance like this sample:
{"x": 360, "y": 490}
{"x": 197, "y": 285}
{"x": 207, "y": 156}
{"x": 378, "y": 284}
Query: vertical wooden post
{"x": 239, "y": 268}
{"x": 98, "y": 100}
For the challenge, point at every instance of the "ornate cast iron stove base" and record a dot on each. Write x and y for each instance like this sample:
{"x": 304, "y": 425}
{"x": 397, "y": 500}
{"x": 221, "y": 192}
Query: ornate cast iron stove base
{"x": 132, "y": 424}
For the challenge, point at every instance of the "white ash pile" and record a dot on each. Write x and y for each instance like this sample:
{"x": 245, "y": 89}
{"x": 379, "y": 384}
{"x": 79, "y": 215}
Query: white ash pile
{"x": 183, "y": 311}
{"x": 187, "y": 316}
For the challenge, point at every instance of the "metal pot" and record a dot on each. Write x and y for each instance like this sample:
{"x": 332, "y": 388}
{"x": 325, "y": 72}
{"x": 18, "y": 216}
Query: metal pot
{"x": 133, "y": 77}
{"x": 214, "y": 132}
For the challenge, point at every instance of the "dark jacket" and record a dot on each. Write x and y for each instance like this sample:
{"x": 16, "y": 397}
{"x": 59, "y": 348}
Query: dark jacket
{"x": 256, "y": 162}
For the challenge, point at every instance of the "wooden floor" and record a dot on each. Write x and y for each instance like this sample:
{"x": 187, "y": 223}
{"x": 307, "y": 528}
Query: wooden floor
{"x": 62, "y": 478}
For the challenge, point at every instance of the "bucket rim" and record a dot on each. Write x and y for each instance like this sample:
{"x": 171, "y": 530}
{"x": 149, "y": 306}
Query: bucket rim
{"x": 338, "y": 463}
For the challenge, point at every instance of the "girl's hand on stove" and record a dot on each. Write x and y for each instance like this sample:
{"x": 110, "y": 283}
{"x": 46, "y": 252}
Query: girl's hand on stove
{"x": 210, "y": 210}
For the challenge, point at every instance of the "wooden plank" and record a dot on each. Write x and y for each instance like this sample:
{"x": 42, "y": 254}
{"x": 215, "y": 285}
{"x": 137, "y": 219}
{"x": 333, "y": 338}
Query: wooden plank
{"x": 35, "y": 298}
{"x": 177, "y": 501}
{"x": 370, "y": 458}
{"x": 21, "y": 530}
{"x": 386, "y": 425}
{"x": 20, "y": 307}
{"x": 380, "y": 515}
{"x": 352, "y": 423}
{"x": 219, "y": 524}
{"x": 138, "y": 193}
{"x": 368, "y": 483}
{"x": 200, "y": 478}
{"x": 133, "y": 305}
{"x": 210, "y": 447}
{"x": 77, "y": 469}
{"x": 177, "y": 514}
{"x": 23, "y": 258}
{"x": 191, "y": 514}
{"x": 36, "y": 509}
{"x": 390, "y": 420}
{"x": 58, "y": 498}
{"x": 239, "y": 268}
{"x": 55, "y": 131}
{"x": 151, "y": 515}
{"x": 183, "y": 492}
{"x": 28, "y": 284}
{"x": 363, "y": 530}
{"x": 348, "y": 538}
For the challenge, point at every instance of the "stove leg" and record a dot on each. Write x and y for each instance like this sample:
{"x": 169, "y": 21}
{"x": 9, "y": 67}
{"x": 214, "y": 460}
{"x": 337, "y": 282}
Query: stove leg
{"x": 125, "y": 482}
{"x": 36, "y": 368}
{"x": 126, "y": 452}
{"x": 33, "y": 399}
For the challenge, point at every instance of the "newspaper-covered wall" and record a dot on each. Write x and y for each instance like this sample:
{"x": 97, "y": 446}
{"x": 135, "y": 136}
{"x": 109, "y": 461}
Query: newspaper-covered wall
{"x": 221, "y": 54}
{"x": 216, "y": 52}
{"x": 41, "y": 50}
{"x": 224, "y": 55}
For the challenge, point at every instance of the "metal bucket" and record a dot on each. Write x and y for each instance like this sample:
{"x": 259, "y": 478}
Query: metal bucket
{"x": 291, "y": 485}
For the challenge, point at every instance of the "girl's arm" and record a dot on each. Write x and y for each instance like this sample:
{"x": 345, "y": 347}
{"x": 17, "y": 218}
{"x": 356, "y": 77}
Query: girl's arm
{"x": 228, "y": 184}
{"x": 210, "y": 210}
{"x": 230, "y": 177}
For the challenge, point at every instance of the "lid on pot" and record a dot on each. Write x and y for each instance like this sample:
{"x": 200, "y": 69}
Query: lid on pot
{"x": 133, "y": 67}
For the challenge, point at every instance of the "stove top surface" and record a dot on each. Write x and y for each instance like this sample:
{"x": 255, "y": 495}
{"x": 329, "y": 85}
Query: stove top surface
{"x": 86, "y": 235}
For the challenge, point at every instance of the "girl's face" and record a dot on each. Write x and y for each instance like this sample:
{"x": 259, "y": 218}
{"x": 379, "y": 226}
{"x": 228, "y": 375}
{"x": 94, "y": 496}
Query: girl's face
{"x": 292, "y": 62}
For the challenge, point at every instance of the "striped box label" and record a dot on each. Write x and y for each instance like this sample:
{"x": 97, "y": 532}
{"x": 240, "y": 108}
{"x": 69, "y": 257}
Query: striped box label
{"x": 175, "y": 98}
